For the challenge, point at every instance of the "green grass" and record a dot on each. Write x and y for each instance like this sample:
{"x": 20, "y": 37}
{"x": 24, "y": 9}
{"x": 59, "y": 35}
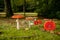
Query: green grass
{"x": 8, "y": 32}
{"x": 31, "y": 34}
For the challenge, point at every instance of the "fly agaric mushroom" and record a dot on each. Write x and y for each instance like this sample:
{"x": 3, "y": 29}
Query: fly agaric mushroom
{"x": 28, "y": 19}
{"x": 49, "y": 25}
{"x": 37, "y": 22}
{"x": 17, "y": 19}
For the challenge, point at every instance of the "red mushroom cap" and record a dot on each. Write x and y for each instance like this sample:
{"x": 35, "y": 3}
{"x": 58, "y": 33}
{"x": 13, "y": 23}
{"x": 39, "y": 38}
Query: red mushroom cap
{"x": 49, "y": 25}
{"x": 35, "y": 23}
{"x": 17, "y": 16}
{"x": 39, "y": 21}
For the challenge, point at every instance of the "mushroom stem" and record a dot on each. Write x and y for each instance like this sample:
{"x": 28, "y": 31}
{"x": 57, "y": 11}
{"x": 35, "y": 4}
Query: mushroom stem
{"x": 17, "y": 20}
{"x": 29, "y": 23}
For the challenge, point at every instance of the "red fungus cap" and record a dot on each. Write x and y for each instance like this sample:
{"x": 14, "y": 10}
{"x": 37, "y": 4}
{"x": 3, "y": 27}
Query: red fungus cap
{"x": 35, "y": 23}
{"x": 39, "y": 21}
{"x": 17, "y": 16}
{"x": 49, "y": 25}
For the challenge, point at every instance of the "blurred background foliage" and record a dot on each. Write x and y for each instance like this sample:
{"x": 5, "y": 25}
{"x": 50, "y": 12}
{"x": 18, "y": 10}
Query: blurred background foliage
{"x": 44, "y": 8}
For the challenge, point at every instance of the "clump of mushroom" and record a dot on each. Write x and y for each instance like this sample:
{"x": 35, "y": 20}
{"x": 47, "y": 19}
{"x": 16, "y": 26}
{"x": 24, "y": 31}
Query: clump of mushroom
{"x": 29, "y": 21}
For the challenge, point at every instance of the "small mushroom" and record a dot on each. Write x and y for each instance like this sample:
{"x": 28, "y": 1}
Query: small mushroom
{"x": 17, "y": 19}
{"x": 37, "y": 22}
{"x": 28, "y": 19}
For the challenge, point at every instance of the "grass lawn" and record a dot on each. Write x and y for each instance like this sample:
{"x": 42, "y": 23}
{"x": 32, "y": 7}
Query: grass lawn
{"x": 8, "y": 31}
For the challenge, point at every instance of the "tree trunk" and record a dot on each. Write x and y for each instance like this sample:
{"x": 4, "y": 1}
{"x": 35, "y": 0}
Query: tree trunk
{"x": 24, "y": 3}
{"x": 8, "y": 8}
